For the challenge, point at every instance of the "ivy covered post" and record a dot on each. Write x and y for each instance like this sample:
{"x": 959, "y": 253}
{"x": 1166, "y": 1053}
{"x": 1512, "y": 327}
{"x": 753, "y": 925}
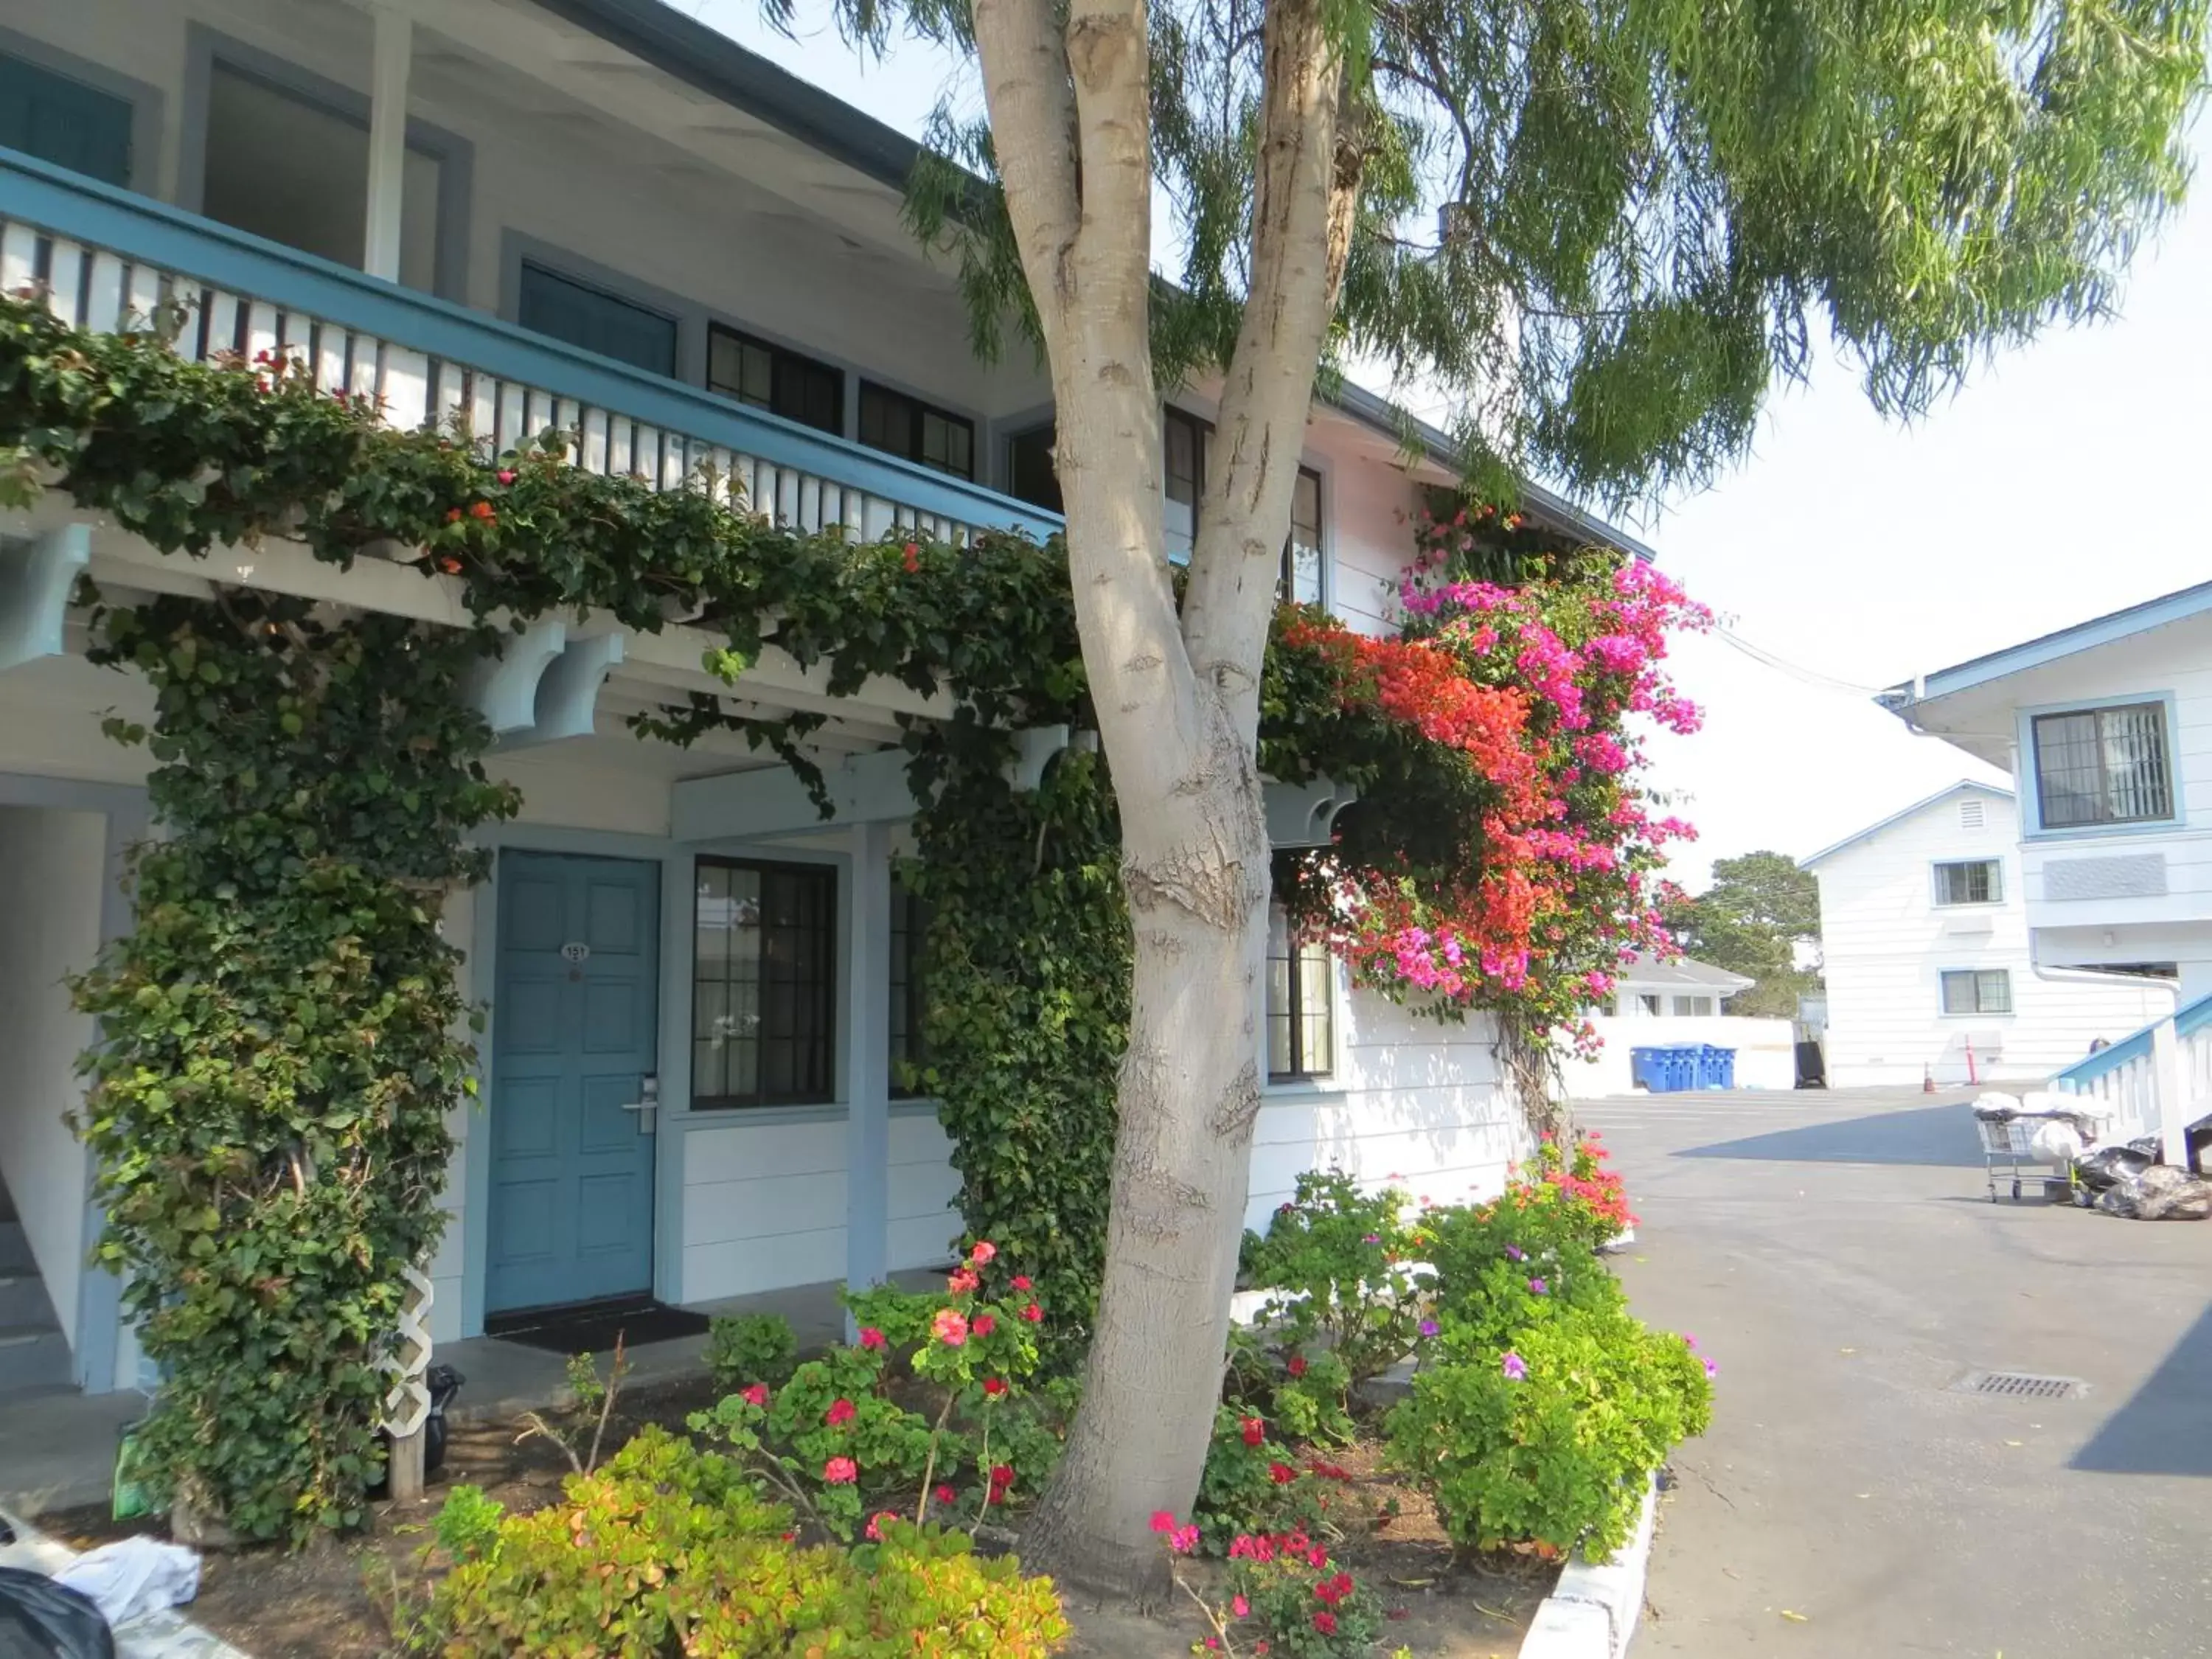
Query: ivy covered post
{"x": 267, "y": 1102}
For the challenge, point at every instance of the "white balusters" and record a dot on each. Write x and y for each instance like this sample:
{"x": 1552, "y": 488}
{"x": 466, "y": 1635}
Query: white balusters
{"x": 103, "y": 300}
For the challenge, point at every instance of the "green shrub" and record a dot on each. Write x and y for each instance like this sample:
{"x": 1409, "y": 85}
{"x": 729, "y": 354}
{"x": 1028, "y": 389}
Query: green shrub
{"x": 1502, "y": 1267}
{"x": 745, "y": 1348}
{"x": 668, "y": 1550}
{"x": 1342, "y": 1260}
{"x": 1551, "y": 1439}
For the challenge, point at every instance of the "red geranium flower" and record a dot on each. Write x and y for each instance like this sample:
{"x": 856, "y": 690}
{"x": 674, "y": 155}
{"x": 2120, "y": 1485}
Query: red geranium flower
{"x": 1256, "y": 1429}
{"x": 1033, "y": 1313}
{"x": 840, "y": 1412}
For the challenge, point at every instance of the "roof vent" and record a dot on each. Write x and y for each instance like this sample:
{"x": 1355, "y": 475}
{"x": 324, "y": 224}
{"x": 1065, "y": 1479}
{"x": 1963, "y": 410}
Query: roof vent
{"x": 1970, "y": 815}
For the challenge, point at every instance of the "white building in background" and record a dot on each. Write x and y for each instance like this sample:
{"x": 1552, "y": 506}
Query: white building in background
{"x": 1657, "y": 1003}
{"x": 1925, "y": 937}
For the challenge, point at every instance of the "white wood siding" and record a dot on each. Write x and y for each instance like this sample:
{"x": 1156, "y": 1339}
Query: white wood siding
{"x": 1885, "y": 944}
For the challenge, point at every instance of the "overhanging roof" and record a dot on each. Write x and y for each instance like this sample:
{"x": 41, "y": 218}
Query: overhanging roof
{"x": 1682, "y": 975}
{"x": 2116, "y": 625}
{"x": 1899, "y": 817}
{"x": 700, "y": 55}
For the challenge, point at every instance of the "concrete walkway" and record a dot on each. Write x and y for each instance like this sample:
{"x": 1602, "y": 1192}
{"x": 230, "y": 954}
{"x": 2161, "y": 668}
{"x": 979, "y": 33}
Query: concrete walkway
{"x": 58, "y": 1450}
{"x": 1837, "y": 1257}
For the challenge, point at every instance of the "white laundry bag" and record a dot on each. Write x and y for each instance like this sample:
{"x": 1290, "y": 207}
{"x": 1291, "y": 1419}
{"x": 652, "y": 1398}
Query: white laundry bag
{"x": 133, "y": 1578}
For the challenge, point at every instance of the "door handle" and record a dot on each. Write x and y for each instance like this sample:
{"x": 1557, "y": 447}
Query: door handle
{"x": 647, "y": 1106}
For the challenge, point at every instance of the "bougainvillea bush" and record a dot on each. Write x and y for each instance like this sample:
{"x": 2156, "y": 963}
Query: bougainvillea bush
{"x": 1504, "y": 854}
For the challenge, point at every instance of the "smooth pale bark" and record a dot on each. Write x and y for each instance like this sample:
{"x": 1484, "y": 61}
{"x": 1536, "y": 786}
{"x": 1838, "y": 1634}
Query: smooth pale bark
{"x": 1176, "y": 697}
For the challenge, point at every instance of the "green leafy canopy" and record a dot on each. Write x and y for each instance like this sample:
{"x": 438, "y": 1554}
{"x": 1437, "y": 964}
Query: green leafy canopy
{"x": 1597, "y": 230}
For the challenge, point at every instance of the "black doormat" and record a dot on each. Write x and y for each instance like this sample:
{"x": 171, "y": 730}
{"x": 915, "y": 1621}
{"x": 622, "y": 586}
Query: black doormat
{"x": 591, "y": 1327}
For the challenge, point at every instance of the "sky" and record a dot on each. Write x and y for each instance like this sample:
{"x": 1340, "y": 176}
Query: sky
{"x": 2068, "y": 479}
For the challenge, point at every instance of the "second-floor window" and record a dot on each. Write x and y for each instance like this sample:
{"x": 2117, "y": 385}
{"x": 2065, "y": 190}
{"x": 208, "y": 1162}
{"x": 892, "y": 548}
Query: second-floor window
{"x": 596, "y": 320}
{"x": 900, "y": 425}
{"x": 780, "y": 380}
{"x": 1970, "y": 881}
{"x": 1302, "y": 560}
{"x": 1300, "y": 1006}
{"x": 1977, "y": 991}
{"x": 2103, "y": 766}
{"x": 62, "y": 120}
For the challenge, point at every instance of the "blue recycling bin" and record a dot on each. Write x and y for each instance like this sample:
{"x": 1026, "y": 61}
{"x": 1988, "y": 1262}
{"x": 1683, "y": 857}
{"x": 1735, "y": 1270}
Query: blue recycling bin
{"x": 1666, "y": 1068}
{"x": 1715, "y": 1067}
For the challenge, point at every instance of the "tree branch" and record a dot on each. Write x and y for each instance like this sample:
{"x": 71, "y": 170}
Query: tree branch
{"x": 1305, "y": 198}
{"x": 1032, "y": 108}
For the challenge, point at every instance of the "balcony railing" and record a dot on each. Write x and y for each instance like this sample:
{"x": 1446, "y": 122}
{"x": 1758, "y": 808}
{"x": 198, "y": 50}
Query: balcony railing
{"x": 109, "y": 259}
{"x": 2155, "y": 1081}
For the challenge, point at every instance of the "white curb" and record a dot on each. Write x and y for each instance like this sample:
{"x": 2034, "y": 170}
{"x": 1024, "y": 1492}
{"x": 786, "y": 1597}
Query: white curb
{"x": 166, "y": 1635}
{"x": 1592, "y": 1613}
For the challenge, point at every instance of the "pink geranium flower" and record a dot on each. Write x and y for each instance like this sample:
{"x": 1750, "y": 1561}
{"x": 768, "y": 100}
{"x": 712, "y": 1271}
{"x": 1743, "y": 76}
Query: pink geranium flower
{"x": 841, "y": 1472}
{"x": 949, "y": 1327}
{"x": 841, "y": 1412}
{"x": 873, "y": 1338}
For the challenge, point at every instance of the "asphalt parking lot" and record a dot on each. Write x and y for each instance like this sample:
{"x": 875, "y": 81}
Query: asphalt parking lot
{"x": 1836, "y": 1254}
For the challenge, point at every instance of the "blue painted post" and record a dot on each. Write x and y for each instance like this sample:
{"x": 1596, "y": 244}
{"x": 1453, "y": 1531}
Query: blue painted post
{"x": 867, "y": 1064}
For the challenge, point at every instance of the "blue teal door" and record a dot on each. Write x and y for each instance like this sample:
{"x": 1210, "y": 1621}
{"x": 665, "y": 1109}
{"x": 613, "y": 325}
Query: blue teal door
{"x": 574, "y": 1040}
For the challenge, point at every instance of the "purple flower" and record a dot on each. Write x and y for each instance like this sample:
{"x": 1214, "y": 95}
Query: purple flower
{"x": 1689, "y": 1341}
{"x": 1515, "y": 1368}
{"x": 1371, "y": 1239}
{"x": 1535, "y": 1287}
{"x": 1428, "y": 1327}
{"x": 1711, "y": 1370}
{"x": 1514, "y": 1252}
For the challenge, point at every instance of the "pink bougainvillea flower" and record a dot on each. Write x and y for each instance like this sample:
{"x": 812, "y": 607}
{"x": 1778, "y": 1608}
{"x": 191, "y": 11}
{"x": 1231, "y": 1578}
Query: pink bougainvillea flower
{"x": 841, "y": 1472}
{"x": 983, "y": 1324}
{"x": 756, "y": 1395}
{"x": 1515, "y": 1368}
{"x": 841, "y": 1412}
{"x": 984, "y": 1254}
{"x": 949, "y": 1327}
{"x": 873, "y": 1338}
{"x": 963, "y": 1282}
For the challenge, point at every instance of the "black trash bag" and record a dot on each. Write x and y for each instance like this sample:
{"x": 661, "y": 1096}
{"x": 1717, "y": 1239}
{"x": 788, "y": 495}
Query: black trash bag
{"x": 2103, "y": 1167}
{"x": 2163, "y": 1192}
{"x": 444, "y": 1382}
{"x": 41, "y": 1620}
{"x": 2147, "y": 1145}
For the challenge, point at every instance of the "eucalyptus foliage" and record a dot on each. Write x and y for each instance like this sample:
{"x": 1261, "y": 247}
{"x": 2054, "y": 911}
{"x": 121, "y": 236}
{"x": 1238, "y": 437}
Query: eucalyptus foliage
{"x": 1598, "y": 230}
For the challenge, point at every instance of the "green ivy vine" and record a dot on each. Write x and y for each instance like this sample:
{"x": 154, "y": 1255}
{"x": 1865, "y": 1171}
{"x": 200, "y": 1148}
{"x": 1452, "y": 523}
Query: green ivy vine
{"x": 268, "y": 1103}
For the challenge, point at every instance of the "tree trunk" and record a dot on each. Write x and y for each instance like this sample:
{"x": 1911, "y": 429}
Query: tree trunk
{"x": 1176, "y": 697}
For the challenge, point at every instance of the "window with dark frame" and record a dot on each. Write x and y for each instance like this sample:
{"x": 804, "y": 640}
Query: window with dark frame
{"x": 2103, "y": 766}
{"x": 774, "y": 377}
{"x": 1301, "y": 552}
{"x": 910, "y": 922}
{"x": 1031, "y": 475}
{"x": 1300, "y": 1011}
{"x": 595, "y": 320}
{"x": 1977, "y": 991}
{"x": 908, "y": 427}
{"x": 763, "y": 984}
{"x": 1970, "y": 881}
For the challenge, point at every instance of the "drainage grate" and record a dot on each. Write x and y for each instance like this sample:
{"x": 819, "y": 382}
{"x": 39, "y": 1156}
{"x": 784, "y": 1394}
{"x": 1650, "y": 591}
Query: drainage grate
{"x": 2021, "y": 1385}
